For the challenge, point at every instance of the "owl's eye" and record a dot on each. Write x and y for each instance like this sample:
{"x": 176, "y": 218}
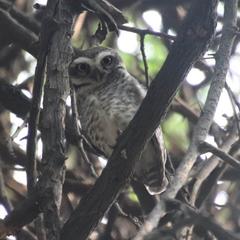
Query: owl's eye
{"x": 107, "y": 61}
{"x": 83, "y": 68}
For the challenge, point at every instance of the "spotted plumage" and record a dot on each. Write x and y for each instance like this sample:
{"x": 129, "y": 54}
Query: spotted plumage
{"x": 107, "y": 99}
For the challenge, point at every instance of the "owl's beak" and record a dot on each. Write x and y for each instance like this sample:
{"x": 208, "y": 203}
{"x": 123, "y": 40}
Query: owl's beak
{"x": 98, "y": 74}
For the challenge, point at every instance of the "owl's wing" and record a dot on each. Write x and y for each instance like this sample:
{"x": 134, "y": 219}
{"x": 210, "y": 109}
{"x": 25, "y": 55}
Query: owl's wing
{"x": 161, "y": 181}
{"x": 150, "y": 169}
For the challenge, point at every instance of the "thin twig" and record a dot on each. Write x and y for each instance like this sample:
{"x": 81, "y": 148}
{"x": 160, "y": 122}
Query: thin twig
{"x": 18, "y": 34}
{"x": 27, "y": 21}
{"x": 191, "y": 217}
{"x": 135, "y": 220}
{"x": 218, "y": 81}
{"x": 182, "y": 107}
{"x": 204, "y": 221}
{"x": 211, "y": 164}
{"x": 205, "y": 121}
{"x": 147, "y": 119}
{"x": 234, "y": 101}
{"x": 77, "y": 127}
{"x": 142, "y": 48}
{"x": 45, "y": 35}
{"x": 206, "y": 147}
{"x": 147, "y": 32}
{"x": 20, "y": 128}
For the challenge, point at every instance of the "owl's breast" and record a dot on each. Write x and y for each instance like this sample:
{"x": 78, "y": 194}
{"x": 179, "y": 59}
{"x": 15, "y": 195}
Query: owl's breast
{"x": 120, "y": 102}
{"x": 106, "y": 112}
{"x": 98, "y": 124}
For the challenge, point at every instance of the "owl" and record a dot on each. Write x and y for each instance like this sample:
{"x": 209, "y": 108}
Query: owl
{"x": 107, "y": 100}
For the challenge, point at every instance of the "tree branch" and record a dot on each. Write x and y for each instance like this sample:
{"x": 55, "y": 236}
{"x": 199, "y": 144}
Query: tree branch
{"x": 188, "y": 47}
{"x": 22, "y": 18}
{"x": 205, "y": 121}
{"x": 147, "y": 32}
{"x": 218, "y": 82}
{"x": 17, "y": 33}
{"x": 47, "y": 30}
{"x": 206, "y": 147}
{"x": 210, "y": 165}
{"x": 191, "y": 217}
{"x": 53, "y": 115}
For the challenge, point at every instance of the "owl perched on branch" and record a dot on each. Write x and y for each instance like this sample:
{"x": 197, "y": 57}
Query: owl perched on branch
{"x": 107, "y": 99}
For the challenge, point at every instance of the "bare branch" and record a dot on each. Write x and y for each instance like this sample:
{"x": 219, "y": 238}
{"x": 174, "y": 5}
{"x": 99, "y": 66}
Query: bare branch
{"x": 211, "y": 164}
{"x": 142, "y": 47}
{"x": 218, "y": 82}
{"x": 48, "y": 28}
{"x": 25, "y": 20}
{"x": 53, "y": 116}
{"x": 205, "y": 121}
{"x": 78, "y": 129}
{"x": 147, "y": 32}
{"x": 191, "y": 217}
{"x": 206, "y": 147}
{"x": 190, "y": 44}
{"x": 180, "y": 106}
{"x": 17, "y": 33}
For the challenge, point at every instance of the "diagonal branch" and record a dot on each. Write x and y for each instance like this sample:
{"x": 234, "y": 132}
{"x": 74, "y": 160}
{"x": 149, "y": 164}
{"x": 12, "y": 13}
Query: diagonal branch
{"x": 10, "y": 94}
{"x": 17, "y": 33}
{"x": 147, "y": 32}
{"x": 218, "y": 82}
{"x": 46, "y": 196}
{"x": 192, "y": 217}
{"x": 206, "y": 147}
{"x": 190, "y": 44}
{"x": 205, "y": 121}
{"x": 209, "y": 167}
{"x": 21, "y": 17}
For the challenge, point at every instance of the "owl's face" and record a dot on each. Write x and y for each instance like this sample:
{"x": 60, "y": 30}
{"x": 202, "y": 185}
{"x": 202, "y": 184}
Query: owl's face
{"x": 93, "y": 67}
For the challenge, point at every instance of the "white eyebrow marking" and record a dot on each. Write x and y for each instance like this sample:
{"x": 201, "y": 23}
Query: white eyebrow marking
{"x": 83, "y": 60}
{"x": 101, "y": 55}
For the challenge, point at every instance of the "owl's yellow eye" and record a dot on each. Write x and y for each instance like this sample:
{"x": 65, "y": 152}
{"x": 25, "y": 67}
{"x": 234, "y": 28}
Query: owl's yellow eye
{"x": 107, "y": 61}
{"x": 83, "y": 68}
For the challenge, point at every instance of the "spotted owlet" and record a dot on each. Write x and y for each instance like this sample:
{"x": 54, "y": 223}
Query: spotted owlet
{"x": 107, "y": 99}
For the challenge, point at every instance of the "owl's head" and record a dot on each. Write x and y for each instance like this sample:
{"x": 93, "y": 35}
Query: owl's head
{"x": 93, "y": 67}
